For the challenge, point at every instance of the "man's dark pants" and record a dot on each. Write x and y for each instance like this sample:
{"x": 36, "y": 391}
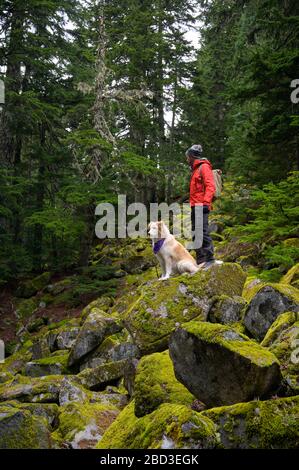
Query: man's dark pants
{"x": 206, "y": 252}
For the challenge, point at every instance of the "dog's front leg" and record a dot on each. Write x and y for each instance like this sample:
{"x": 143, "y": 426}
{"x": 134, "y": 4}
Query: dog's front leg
{"x": 163, "y": 269}
{"x": 168, "y": 268}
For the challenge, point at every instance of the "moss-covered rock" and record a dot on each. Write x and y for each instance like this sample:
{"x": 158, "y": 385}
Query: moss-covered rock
{"x": 35, "y": 390}
{"x": 160, "y": 306}
{"x": 226, "y": 310}
{"x": 30, "y": 287}
{"x": 282, "y": 340}
{"x": 221, "y": 366}
{"x": 51, "y": 365}
{"x": 102, "y": 303}
{"x": 97, "y": 326}
{"x": 137, "y": 264}
{"x": 114, "y": 348}
{"x": 17, "y": 361}
{"x": 271, "y": 424}
{"x": 25, "y": 308}
{"x": 282, "y": 322}
{"x": 66, "y": 337}
{"x": 169, "y": 427}
{"x": 21, "y": 429}
{"x": 266, "y": 304}
{"x": 292, "y": 276}
{"x": 94, "y": 379}
{"x": 82, "y": 425}
{"x": 155, "y": 383}
{"x": 251, "y": 287}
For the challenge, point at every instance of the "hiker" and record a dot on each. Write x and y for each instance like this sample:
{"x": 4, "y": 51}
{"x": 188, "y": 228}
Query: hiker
{"x": 202, "y": 190}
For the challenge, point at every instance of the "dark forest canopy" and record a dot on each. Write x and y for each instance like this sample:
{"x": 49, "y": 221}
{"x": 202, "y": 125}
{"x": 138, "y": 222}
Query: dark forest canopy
{"x": 103, "y": 98}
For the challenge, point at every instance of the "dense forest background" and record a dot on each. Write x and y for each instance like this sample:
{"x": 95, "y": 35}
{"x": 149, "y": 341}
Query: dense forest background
{"x": 104, "y": 97}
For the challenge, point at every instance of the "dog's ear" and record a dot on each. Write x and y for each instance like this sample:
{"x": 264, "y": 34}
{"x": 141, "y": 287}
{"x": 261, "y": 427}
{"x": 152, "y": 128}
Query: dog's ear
{"x": 149, "y": 226}
{"x": 163, "y": 229}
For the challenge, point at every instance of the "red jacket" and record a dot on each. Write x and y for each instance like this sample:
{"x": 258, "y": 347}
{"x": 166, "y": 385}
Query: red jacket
{"x": 202, "y": 186}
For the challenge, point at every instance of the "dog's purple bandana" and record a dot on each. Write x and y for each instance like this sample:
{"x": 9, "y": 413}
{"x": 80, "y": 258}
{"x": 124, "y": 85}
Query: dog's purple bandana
{"x": 158, "y": 245}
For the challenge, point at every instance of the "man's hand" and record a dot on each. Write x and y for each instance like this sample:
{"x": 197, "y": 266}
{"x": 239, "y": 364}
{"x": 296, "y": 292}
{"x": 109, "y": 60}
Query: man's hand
{"x": 205, "y": 209}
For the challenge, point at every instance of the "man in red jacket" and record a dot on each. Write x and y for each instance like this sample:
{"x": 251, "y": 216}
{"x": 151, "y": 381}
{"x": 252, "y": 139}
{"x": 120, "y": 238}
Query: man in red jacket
{"x": 202, "y": 189}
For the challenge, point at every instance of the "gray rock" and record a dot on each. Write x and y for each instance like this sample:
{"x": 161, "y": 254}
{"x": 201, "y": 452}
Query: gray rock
{"x": 221, "y": 366}
{"x": 66, "y": 339}
{"x": 226, "y": 309}
{"x": 266, "y": 305}
{"x": 159, "y": 306}
{"x": 94, "y": 379}
{"x": 95, "y": 329}
{"x": 70, "y": 392}
{"x": 19, "y": 429}
{"x": 269, "y": 424}
{"x": 112, "y": 349}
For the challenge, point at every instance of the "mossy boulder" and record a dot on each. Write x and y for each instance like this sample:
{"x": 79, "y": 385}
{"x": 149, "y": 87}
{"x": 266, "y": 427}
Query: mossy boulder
{"x": 97, "y": 326}
{"x": 81, "y": 426}
{"x": 251, "y": 286}
{"x": 226, "y": 310}
{"x": 66, "y": 337}
{"x": 169, "y": 427}
{"x": 49, "y": 411}
{"x": 292, "y": 276}
{"x": 60, "y": 286}
{"x": 32, "y": 390}
{"x": 270, "y": 424}
{"x": 155, "y": 383}
{"x": 94, "y": 379}
{"x": 137, "y": 264}
{"x": 221, "y": 366}
{"x": 26, "y": 307}
{"x": 114, "y": 348}
{"x": 5, "y": 377}
{"x": 283, "y": 340}
{"x": 30, "y": 287}
{"x": 51, "y": 365}
{"x": 20, "y": 429}
{"x": 160, "y": 306}
{"x": 102, "y": 303}
{"x": 267, "y": 303}
{"x": 282, "y": 322}
{"x": 116, "y": 398}
{"x": 71, "y": 391}
{"x": 17, "y": 361}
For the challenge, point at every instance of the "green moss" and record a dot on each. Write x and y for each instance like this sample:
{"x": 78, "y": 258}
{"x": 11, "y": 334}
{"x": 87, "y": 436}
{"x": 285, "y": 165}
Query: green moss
{"x": 258, "y": 424}
{"x": 105, "y": 373}
{"x": 20, "y": 430}
{"x": 155, "y": 383}
{"x": 175, "y": 424}
{"x": 251, "y": 287}
{"x": 27, "y": 307}
{"x": 282, "y": 322}
{"x": 82, "y": 425}
{"x": 285, "y": 289}
{"x": 231, "y": 340}
{"x": 16, "y": 361}
{"x": 285, "y": 347}
{"x": 292, "y": 276}
{"x": 158, "y": 306}
{"x": 59, "y": 358}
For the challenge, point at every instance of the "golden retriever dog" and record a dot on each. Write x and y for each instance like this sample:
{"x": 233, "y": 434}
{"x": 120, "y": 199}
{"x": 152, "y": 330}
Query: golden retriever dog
{"x": 172, "y": 256}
